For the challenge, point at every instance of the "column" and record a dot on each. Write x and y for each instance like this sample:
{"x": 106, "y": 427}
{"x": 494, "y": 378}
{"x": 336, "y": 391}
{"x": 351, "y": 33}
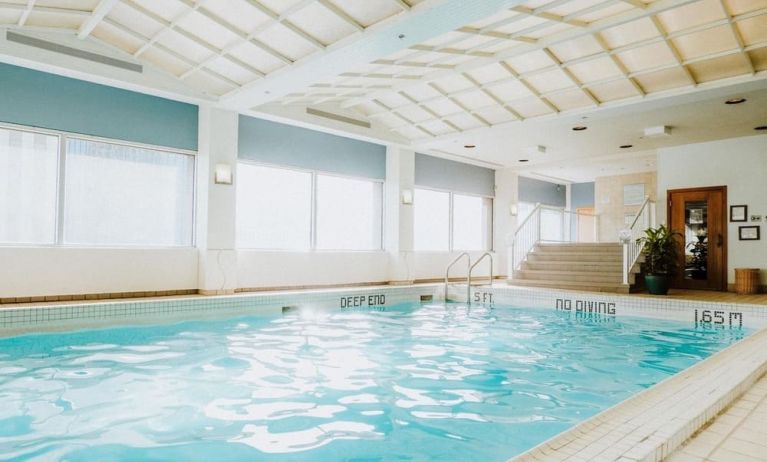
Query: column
{"x": 400, "y": 180}
{"x": 504, "y": 216}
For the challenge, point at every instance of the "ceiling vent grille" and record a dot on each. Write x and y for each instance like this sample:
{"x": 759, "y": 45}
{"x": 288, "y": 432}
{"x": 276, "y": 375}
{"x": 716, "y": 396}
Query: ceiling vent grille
{"x": 74, "y": 52}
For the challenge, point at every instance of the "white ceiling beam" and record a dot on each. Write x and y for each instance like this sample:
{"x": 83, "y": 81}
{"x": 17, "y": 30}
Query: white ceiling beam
{"x": 673, "y": 49}
{"x": 738, "y": 37}
{"x": 26, "y": 13}
{"x": 423, "y": 22}
{"x": 101, "y": 10}
{"x": 570, "y": 34}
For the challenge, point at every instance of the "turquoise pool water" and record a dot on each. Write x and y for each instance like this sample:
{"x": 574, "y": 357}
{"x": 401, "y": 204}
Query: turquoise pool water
{"x": 411, "y": 383}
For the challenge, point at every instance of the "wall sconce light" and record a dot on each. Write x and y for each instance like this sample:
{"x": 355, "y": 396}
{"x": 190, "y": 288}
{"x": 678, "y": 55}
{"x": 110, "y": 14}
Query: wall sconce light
{"x": 223, "y": 174}
{"x": 513, "y": 210}
{"x": 407, "y": 196}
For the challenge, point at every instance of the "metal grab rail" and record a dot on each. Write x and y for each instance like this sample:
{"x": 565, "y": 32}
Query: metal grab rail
{"x": 447, "y": 270}
{"x": 471, "y": 268}
{"x": 631, "y": 250}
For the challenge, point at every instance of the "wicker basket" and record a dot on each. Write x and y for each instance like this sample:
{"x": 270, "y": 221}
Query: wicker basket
{"x": 746, "y": 280}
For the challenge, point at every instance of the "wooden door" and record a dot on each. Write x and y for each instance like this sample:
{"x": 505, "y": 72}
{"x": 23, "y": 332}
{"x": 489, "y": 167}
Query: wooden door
{"x": 699, "y": 216}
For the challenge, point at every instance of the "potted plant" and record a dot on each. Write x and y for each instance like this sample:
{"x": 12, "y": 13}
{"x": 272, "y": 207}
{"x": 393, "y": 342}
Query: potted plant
{"x": 660, "y": 251}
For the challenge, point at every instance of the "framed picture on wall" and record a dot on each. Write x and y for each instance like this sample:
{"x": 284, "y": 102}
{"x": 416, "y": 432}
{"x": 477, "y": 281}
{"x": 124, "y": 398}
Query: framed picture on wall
{"x": 748, "y": 233}
{"x": 738, "y": 213}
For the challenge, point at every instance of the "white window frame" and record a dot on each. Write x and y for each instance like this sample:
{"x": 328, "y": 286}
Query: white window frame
{"x": 451, "y": 247}
{"x": 313, "y": 200}
{"x": 63, "y": 136}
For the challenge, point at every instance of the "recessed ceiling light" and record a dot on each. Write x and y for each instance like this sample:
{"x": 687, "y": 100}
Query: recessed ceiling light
{"x": 469, "y": 146}
{"x": 626, "y": 146}
{"x": 761, "y": 127}
{"x": 523, "y": 160}
{"x": 735, "y": 101}
{"x": 580, "y": 128}
{"x": 401, "y": 36}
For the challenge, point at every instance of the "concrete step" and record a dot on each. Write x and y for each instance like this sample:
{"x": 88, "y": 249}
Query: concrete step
{"x": 612, "y": 266}
{"x": 599, "y": 277}
{"x": 569, "y": 285}
{"x": 575, "y": 257}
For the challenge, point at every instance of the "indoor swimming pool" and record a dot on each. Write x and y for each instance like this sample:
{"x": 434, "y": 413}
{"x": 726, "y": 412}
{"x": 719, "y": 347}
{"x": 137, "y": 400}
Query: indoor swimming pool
{"x": 417, "y": 382}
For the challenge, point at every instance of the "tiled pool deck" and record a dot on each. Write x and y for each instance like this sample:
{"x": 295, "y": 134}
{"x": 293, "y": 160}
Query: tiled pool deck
{"x": 677, "y": 420}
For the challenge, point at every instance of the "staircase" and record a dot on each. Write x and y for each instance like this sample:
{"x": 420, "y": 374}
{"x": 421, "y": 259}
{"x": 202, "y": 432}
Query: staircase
{"x": 594, "y": 267}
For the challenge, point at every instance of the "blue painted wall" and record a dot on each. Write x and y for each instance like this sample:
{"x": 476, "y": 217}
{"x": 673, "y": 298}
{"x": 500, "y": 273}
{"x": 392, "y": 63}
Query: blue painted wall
{"x": 435, "y": 172}
{"x": 39, "y": 99}
{"x": 582, "y": 195}
{"x": 279, "y": 144}
{"x": 535, "y": 191}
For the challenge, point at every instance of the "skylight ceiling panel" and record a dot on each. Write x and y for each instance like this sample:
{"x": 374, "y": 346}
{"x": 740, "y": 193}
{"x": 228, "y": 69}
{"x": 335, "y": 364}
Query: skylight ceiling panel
{"x": 523, "y": 23}
{"x": 279, "y": 6}
{"x": 415, "y": 113}
{"x": 533, "y": 4}
{"x": 43, "y": 19}
{"x": 691, "y": 15}
{"x": 569, "y": 100}
{"x": 411, "y": 132}
{"x": 108, "y": 33}
{"x": 576, "y": 48}
{"x": 451, "y": 59}
{"x": 736, "y": 7}
{"x": 531, "y": 61}
{"x": 437, "y": 127}
{"x": 134, "y": 20}
{"x": 759, "y": 58}
{"x": 393, "y": 100}
{"x": 531, "y": 107}
{"x": 490, "y": 20}
{"x": 550, "y": 29}
{"x": 256, "y": 57}
{"x": 443, "y": 107}
{"x": 473, "y": 41}
{"x": 646, "y": 57}
{"x": 9, "y": 16}
{"x": 368, "y": 12}
{"x": 549, "y": 81}
{"x": 719, "y": 68}
{"x": 595, "y": 69}
{"x": 631, "y": 32}
{"x": 474, "y": 100}
{"x": 465, "y": 121}
{"x": 422, "y": 92}
{"x": 208, "y": 84}
{"x": 165, "y": 61}
{"x": 491, "y": 73}
{"x": 705, "y": 42}
{"x": 662, "y": 80}
{"x": 511, "y": 90}
{"x": 322, "y": 24}
{"x": 231, "y": 70}
{"x": 239, "y": 13}
{"x": 572, "y": 6}
{"x": 590, "y": 16}
{"x": 286, "y": 42}
{"x": 208, "y": 30}
{"x": 495, "y": 115}
{"x": 391, "y": 120}
{"x": 453, "y": 83}
{"x": 87, "y": 5}
{"x": 184, "y": 45}
{"x": 753, "y": 30}
{"x": 168, "y": 10}
{"x": 448, "y": 39}
{"x": 369, "y": 108}
{"x": 614, "y": 91}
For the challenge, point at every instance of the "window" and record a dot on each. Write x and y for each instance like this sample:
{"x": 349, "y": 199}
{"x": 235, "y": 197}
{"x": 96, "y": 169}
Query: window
{"x": 28, "y": 187}
{"x": 124, "y": 195}
{"x": 274, "y": 208}
{"x": 285, "y": 209}
{"x": 447, "y": 221}
{"x": 432, "y": 220}
{"x": 349, "y": 213}
{"x": 113, "y": 194}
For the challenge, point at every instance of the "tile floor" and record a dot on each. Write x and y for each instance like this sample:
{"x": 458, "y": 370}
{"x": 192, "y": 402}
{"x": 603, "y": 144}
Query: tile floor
{"x": 737, "y": 434}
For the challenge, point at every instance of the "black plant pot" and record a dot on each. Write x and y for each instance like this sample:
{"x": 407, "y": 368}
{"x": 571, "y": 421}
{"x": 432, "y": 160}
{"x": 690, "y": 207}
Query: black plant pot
{"x": 657, "y": 284}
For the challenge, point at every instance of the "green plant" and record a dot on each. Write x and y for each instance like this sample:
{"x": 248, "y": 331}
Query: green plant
{"x": 660, "y": 250}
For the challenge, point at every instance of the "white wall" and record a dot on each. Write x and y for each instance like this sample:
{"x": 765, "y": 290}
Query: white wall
{"x": 741, "y": 165}
{"x": 28, "y": 271}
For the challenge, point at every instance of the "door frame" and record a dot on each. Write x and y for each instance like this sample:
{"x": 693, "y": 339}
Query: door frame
{"x": 725, "y": 222}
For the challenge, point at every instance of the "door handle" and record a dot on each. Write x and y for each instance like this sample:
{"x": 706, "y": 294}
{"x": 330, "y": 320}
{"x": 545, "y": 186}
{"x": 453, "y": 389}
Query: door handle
{"x": 719, "y": 240}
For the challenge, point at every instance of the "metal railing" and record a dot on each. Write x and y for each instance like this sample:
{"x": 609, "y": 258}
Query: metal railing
{"x": 468, "y": 270}
{"x": 468, "y": 282}
{"x": 644, "y": 218}
{"x": 550, "y": 224}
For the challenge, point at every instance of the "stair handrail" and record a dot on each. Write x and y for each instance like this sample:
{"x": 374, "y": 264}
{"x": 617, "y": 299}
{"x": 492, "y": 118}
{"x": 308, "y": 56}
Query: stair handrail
{"x": 644, "y": 218}
{"x": 471, "y": 268}
{"x": 456, "y": 260}
{"x": 528, "y": 234}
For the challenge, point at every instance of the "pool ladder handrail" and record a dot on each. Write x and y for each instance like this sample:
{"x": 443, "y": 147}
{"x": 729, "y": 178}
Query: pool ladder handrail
{"x": 468, "y": 269}
{"x": 468, "y": 282}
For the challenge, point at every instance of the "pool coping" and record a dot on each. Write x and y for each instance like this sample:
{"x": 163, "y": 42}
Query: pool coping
{"x": 650, "y": 425}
